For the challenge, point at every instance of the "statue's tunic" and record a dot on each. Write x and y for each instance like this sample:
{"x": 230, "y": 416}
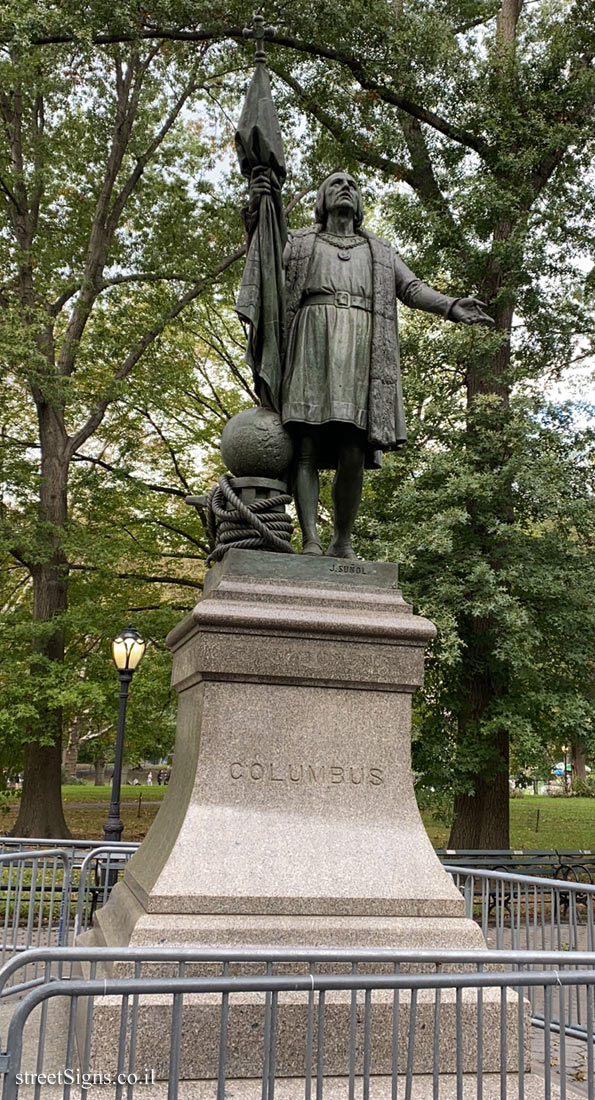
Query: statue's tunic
{"x": 318, "y": 368}
{"x": 328, "y": 356}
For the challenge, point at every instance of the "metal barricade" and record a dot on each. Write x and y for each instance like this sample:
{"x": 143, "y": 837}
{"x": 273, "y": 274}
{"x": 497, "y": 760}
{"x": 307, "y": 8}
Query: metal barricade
{"x": 576, "y": 864}
{"x": 393, "y": 1034}
{"x": 99, "y": 871}
{"x": 76, "y": 849}
{"x": 514, "y": 910}
{"x": 35, "y": 894}
{"x": 528, "y": 913}
{"x": 47, "y": 896}
{"x": 44, "y": 965}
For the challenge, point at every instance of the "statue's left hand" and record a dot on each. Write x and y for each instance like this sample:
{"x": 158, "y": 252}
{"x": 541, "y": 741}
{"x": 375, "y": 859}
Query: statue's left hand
{"x": 470, "y": 311}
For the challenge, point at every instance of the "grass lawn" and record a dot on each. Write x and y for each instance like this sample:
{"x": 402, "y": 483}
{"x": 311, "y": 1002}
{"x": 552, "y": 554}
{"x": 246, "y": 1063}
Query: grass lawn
{"x": 86, "y": 809}
{"x": 564, "y": 823}
{"x": 87, "y": 793}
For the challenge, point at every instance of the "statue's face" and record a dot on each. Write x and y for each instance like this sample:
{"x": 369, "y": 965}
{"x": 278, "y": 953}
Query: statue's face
{"x": 341, "y": 194}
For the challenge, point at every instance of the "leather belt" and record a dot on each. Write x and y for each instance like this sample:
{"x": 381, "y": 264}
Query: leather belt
{"x": 342, "y": 299}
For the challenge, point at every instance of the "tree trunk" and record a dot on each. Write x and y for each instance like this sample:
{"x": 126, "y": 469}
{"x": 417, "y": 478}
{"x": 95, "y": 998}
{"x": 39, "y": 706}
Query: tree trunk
{"x": 41, "y": 817}
{"x": 40, "y": 813}
{"x": 482, "y": 818}
{"x": 100, "y": 771}
{"x": 578, "y": 760}
{"x": 506, "y": 23}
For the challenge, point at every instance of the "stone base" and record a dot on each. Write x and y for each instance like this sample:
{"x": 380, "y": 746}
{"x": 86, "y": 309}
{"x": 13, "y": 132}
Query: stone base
{"x": 380, "y": 1088}
{"x": 344, "y": 1032}
{"x": 290, "y": 819}
{"x": 291, "y": 797}
{"x": 127, "y": 924}
{"x": 285, "y": 1088}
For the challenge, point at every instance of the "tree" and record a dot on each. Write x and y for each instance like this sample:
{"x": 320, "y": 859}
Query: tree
{"x": 539, "y": 598}
{"x": 490, "y": 126}
{"x": 95, "y": 149}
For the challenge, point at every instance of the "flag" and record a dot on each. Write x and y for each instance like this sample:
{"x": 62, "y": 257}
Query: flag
{"x": 261, "y": 299}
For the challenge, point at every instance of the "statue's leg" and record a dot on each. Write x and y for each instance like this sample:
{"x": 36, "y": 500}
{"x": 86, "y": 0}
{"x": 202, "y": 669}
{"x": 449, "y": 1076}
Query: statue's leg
{"x": 306, "y": 490}
{"x": 347, "y": 493}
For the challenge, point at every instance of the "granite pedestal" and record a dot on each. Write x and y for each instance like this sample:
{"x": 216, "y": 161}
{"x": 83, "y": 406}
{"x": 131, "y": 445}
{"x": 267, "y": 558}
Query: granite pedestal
{"x": 290, "y": 818}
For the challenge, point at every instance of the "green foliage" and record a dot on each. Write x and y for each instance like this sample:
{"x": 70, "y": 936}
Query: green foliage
{"x": 535, "y": 586}
{"x": 112, "y": 231}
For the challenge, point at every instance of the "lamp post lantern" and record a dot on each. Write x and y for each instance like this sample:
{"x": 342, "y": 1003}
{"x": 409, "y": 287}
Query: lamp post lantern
{"x": 127, "y": 651}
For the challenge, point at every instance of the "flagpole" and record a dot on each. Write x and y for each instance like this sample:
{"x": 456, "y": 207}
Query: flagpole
{"x": 258, "y": 31}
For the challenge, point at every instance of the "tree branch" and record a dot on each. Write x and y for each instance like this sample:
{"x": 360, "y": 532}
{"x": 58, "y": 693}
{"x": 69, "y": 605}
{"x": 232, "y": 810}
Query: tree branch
{"x": 128, "y": 86}
{"x": 10, "y": 538}
{"x": 142, "y": 161}
{"x": 38, "y": 129}
{"x": 153, "y": 486}
{"x": 183, "y": 581}
{"x": 204, "y": 374}
{"x": 179, "y": 531}
{"x": 422, "y": 177}
{"x": 145, "y": 342}
{"x": 55, "y": 307}
{"x": 169, "y": 554}
{"x": 167, "y": 444}
{"x": 149, "y": 276}
{"x": 369, "y": 83}
{"x": 554, "y": 156}
{"x": 10, "y": 196}
{"x": 340, "y": 132}
{"x": 202, "y": 402}
{"x": 218, "y": 349}
{"x": 311, "y": 49}
{"x": 118, "y": 280}
{"x": 479, "y": 21}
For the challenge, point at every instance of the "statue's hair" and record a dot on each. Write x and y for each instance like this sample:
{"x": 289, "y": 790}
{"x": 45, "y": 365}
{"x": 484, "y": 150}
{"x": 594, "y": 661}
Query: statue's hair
{"x": 320, "y": 211}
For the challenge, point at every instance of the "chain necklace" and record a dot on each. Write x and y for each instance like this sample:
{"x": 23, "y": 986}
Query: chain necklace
{"x": 344, "y": 244}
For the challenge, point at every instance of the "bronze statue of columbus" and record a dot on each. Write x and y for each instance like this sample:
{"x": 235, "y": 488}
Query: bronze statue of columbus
{"x": 340, "y": 390}
{"x": 320, "y": 304}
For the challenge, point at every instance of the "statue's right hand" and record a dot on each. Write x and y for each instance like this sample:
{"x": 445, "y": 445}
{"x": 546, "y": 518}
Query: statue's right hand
{"x": 260, "y": 184}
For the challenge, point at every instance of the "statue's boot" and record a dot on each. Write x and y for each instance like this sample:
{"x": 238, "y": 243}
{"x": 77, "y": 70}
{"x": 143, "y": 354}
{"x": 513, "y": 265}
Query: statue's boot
{"x": 311, "y": 546}
{"x": 340, "y": 550}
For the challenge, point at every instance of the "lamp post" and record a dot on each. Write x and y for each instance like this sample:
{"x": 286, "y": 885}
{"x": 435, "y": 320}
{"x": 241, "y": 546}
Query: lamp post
{"x": 127, "y": 651}
{"x": 567, "y": 781}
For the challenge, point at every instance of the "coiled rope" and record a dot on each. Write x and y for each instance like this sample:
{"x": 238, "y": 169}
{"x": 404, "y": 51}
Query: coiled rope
{"x": 254, "y": 526}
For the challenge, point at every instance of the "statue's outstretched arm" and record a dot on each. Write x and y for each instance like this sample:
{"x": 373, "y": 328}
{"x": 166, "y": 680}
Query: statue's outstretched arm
{"x": 417, "y": 294}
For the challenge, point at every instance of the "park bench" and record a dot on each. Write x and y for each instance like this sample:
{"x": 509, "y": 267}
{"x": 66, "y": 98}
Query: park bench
{"x": 574, "y": 865}
{"x": 565, "y": 865}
